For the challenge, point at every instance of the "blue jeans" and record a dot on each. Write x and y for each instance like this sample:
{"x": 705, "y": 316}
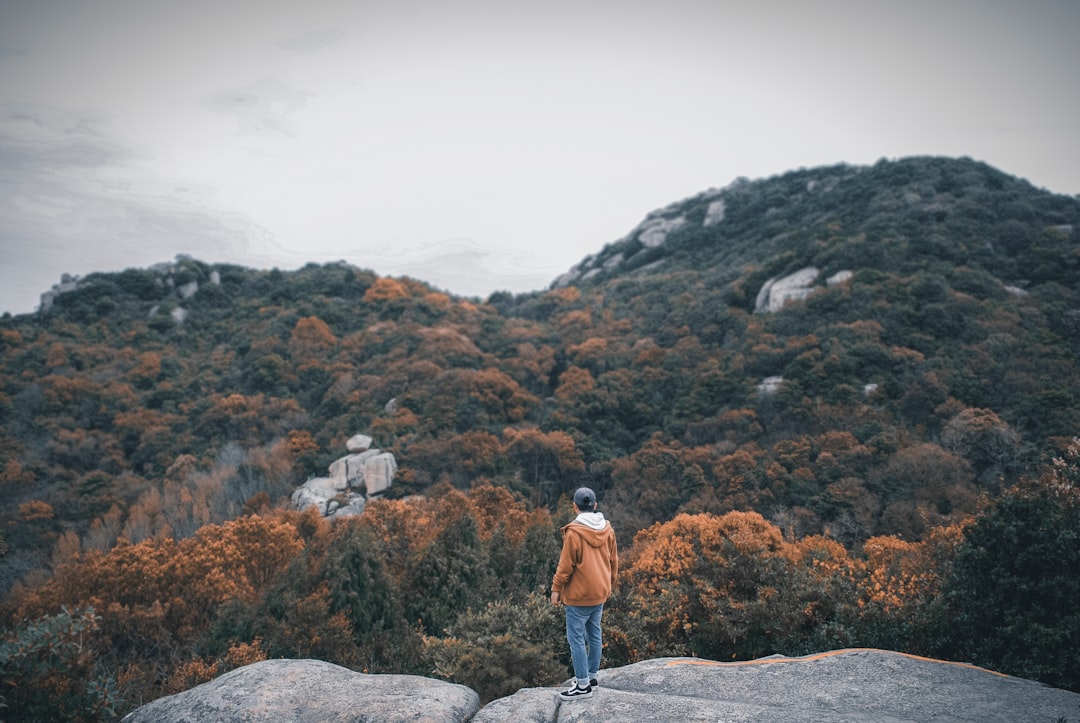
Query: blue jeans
{"x": 583, "y": 634}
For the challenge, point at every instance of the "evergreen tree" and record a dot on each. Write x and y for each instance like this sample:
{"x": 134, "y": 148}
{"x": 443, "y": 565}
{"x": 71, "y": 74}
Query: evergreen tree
{"x": 1016, "y": 581}
{"x": 448, "y": 576}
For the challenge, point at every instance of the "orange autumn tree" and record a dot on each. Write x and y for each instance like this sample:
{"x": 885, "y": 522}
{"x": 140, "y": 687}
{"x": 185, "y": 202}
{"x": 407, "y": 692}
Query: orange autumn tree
{"x": 156, "y": 598}
{"x": 310, "y": 338}
{"x": 899, "y": 589}
{"x": 385, "y": 289}
{"x": 726, "y": 587}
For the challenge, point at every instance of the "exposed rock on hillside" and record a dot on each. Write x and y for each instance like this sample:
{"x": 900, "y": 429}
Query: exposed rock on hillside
{"x": 776, "y": 292}
{"x": 844, "y": 685}
{"x": 165, "y": 278}
{"x": 311, "y": 691}
{"x": 353, "y": 479}
{"x": 838, "y": 217}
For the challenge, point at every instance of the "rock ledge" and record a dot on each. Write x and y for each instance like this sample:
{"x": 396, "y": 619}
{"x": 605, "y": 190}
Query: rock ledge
{"x": 855, "y": 685}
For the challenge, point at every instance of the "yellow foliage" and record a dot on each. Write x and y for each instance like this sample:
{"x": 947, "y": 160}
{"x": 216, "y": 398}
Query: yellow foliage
{"x": 385, "y": 289}
{"x": 899, "y": 572}
{"x": 573, "y": 383}
{"x": 301, "y": 443}
{"x": 311, "y": 335}
{"x": 438, "y": 300}
{"x": 241, "y": 654}
{"x": 187, "y": 675}
{"x": 565, "y": 295}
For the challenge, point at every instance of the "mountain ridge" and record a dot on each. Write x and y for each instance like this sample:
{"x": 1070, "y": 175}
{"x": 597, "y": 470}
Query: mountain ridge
{"x": 925, "y": 185}
{"x": 673, "y": 232}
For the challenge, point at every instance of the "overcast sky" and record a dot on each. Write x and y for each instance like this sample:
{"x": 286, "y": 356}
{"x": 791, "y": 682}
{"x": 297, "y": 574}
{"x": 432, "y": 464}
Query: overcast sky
{"x": 480, "y": 145}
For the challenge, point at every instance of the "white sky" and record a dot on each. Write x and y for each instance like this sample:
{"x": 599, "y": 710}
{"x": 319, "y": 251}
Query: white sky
{"x": 480, "y": 145}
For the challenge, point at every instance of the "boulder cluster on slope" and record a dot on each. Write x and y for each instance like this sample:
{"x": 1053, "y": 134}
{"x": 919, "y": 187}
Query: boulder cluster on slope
{"x": 359, "y": 475}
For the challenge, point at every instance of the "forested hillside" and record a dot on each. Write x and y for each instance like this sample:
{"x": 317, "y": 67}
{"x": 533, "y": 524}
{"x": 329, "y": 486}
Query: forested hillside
{"x": 803, "y": 475}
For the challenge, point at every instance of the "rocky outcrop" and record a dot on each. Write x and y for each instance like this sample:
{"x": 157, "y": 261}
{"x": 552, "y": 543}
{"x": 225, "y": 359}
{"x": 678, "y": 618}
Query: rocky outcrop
{"x": 651, "y": 233}
{"x": 654, "y": 231}
{"x": 188, "y": 290}
{"x": 359, "y": 443}
{"x": 353, "y": 479}
{"x": 166, "y": 273}
{"x": 67, "y": 283}
{"x": 845, "y": 685}
{"x": 714, "y": 214}
{"x": 371, "y": 471}
{"x": 311, "y": 691}
{"x": 769, "y": 385}
{"x": 776, "y": 292}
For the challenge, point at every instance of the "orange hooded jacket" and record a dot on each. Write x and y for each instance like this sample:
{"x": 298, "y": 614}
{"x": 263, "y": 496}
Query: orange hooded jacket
{"x": 589, "y": 562}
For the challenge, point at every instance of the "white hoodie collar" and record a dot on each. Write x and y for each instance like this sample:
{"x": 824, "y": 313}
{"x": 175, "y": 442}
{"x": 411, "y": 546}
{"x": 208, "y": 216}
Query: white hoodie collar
{"x": 595, "y": 520}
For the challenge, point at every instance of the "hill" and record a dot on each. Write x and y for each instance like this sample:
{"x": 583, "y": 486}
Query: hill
{"x": 846, "y": 365}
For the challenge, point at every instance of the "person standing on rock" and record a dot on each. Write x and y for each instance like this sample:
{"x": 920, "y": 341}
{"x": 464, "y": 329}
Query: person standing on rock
{"x": 588, "y": 566}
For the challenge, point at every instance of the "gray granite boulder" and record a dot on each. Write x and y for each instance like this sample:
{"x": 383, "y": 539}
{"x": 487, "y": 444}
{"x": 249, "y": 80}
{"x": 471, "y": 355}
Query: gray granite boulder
{"x": 311, "y": 691}
{"x": 843, "y": 686}
{"x": 354, "y": 478}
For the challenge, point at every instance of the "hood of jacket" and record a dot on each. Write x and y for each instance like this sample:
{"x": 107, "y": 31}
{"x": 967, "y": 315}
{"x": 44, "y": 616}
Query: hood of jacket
{"x": 592, "y": 527}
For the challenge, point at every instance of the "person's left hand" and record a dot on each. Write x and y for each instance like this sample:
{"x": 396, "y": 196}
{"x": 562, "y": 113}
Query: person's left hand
{"x": 555, "y": 598}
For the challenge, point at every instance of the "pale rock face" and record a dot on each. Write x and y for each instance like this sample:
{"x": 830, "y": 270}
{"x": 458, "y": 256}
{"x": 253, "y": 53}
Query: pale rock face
{"x": 327, "y": 495}
{"x": 796, "y": 286}
{"x": 654, "y": 232}
{"x": 325, "y": 486}
{"x": 179, "y": 315}
{"x": 350, "y": 469}
{"x": 358, "y": 443}
{"x": 188, "y": 290}
{"x": 776, "y": 292}
{"x": 714, "y": 214}
{"x": 769, "y": 385}
{"x": 379, "y": 472}
{"x": 613, "y": 261}
{"x": 838, "y": 278}
{"x": 761, "y": 303}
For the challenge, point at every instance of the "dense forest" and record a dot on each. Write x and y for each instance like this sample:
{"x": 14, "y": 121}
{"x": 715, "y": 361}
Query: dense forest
{"x": 888, "y": 459}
